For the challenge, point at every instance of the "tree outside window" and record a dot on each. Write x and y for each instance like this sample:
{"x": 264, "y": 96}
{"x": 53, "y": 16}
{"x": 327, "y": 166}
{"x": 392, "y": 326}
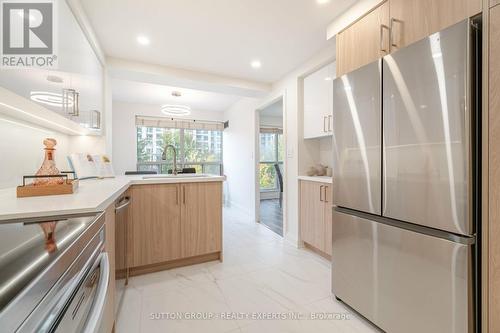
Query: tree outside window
{"x": 271, "y": 153}
{"x": 199, "y": 149}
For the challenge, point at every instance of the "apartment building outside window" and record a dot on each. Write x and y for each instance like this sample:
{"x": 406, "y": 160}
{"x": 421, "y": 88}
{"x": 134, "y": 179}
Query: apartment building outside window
{"x": 196, "y": 148}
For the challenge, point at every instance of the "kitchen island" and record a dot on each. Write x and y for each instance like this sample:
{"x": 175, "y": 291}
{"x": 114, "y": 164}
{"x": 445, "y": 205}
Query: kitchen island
{"x": 169, "y": 218}
{"x": 92, "y": 195}
{"x": 152, "y": 223}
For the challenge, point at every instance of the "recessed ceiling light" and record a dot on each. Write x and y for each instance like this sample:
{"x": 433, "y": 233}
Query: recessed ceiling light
{"x": 55, "y": 79}
{"x": 256, "y": 64}
{"x": 322, "y": 2}
{"x": 143, "y": 40}
{"x": 328, "y": 78}
{"x": 176, "y": 110}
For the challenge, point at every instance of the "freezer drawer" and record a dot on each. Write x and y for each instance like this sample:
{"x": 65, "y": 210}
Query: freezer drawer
{"x": 427, "y": 132}
{"x": 401, "y": 280}
{"x": 357, "y": 139}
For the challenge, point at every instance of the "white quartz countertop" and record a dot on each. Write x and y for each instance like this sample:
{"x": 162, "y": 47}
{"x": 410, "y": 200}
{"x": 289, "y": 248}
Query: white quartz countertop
{"x": 92, "y": 195}
{"x": 319, "y": 179}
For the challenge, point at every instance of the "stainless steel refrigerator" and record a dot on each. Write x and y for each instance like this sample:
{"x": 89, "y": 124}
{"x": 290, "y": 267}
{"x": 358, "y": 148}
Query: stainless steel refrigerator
{"x": 406, "y": 185}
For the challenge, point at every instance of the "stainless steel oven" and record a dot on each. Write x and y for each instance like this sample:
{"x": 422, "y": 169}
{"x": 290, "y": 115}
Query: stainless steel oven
{"x": 54, "y": 274}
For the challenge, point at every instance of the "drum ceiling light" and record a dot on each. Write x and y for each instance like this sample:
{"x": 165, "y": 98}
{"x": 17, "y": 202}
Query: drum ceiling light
{"x": 175, "y": 110}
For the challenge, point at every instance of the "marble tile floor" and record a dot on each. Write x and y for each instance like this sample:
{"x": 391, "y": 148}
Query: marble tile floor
{"x": 262, "y": 277}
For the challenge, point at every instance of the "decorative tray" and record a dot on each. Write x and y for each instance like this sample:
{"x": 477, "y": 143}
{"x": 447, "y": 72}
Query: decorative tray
{"x": 68, "y": 186}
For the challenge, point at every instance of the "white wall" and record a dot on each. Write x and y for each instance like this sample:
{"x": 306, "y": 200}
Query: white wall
{"x": 300, "y": 153}
{"x": 124, "y": 134}
{"x": 239, "y": 156}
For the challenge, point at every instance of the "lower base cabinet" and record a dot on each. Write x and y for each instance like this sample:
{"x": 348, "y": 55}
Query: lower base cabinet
{"x": 316, "y": 216}
{"x": 201, "y": 219}
{"x": 171, "y": 225}
{"x": 153, "y": 224}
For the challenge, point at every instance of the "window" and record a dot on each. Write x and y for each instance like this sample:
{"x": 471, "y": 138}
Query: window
{"x": 271, "y": 153}
{"x": 196, "y": 148}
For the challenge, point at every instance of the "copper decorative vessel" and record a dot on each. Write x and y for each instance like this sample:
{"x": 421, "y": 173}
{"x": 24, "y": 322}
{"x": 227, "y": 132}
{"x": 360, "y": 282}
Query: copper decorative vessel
{"x": 48, "y": 166}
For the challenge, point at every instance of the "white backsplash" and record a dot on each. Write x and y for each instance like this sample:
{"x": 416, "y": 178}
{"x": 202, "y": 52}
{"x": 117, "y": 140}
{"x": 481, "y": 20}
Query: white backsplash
{"x": 21, "y": 148}
{"x": 326, "y": 151}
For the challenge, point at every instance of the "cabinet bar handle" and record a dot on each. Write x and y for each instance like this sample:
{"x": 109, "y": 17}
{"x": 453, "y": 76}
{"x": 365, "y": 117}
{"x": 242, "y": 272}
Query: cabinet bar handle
{"x": 184, "y": 195}
{"x": 177, "y": 195}
{"x": 391, "y": 32}
{"x": 382, "y": 27}
{"x": 330, "y": 118}
{"x": 325, "y": 187}
{"x": 321, "y": 193}
{"x": 324, "y": 124}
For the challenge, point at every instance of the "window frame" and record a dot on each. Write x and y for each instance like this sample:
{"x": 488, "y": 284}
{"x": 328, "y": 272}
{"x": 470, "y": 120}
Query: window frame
{"x": 181, "y": 158}
{"x": 276, "y": 160}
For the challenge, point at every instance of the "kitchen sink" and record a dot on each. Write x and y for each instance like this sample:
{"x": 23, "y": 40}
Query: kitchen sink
{"x": 181, "y": 175}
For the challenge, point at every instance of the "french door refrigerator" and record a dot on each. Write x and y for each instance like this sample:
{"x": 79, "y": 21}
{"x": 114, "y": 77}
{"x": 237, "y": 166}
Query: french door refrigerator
{"x": 406, "y": 190}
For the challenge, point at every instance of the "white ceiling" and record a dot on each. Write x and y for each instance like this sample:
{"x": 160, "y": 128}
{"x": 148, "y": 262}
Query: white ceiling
{"x": 147, "y": 93}
{"x": 216, "y": 36}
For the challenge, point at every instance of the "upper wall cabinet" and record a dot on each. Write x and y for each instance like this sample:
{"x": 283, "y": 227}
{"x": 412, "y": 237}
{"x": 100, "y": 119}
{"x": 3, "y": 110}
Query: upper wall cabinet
{"x": 74, "y": 90}
{"x": 364, "y": 41}
{"x": 318, "y": 102}
{"x": 395, "y": 24}
{"x": 412, "y": 20}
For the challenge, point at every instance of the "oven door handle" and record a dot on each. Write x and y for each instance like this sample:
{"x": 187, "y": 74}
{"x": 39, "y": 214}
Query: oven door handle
{"x": 95, "y": 315}
{"x": 122, "y": 204}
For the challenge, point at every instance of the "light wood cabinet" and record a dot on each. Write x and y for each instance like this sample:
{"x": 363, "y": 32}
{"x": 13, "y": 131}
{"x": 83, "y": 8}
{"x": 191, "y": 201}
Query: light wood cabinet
{"x": 170, "y": 225}
{"x": 364, "y": 41}
{"x": 493, "y": 227}
{"x": 413, "y": 20}
{"x": 327, "y": 218}
{"x": 311, "y": 213}
{"x": 316, "y": 216}
{"x": 395, "y": 24}
{"x": 153, "y": 224}
{"x": 201, "y": 215}
{"x": 318, "y": 102}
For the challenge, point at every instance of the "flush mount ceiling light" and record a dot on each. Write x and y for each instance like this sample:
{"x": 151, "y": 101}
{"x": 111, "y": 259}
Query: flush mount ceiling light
{"x": 175, "y": 110}
{"x": 54, "y": 79}
{"x": 52, "y": 99}
{"x": 143, "y": 40}
{"x": 256, "y": 64}
{"x": 322, "y": 2}
{"x": 328, "y": 78}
